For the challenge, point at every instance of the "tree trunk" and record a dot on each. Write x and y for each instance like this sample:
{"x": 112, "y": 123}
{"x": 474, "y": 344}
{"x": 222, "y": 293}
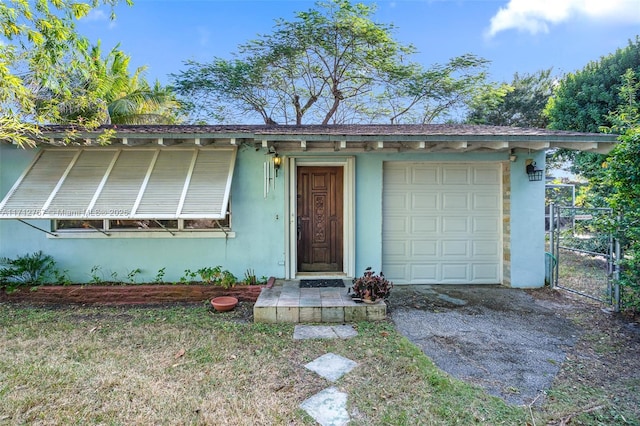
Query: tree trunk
{"x": 332, "y": 111}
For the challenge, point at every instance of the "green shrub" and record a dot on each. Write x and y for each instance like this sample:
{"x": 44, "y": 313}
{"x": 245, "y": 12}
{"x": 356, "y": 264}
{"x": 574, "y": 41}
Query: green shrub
{"x": 208, "y": 275}
{"x": 371, "y": 287}
{"x": 630, "y": 279}
{"x": 250, "y": 278}
{"x": 598, "y": 243}
{"x": 28, "y": 270}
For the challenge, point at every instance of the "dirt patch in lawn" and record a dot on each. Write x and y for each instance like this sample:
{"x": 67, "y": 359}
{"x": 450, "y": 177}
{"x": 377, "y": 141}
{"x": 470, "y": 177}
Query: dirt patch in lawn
{"x": 131, "y": 294}
{"x": 543, "y": 347}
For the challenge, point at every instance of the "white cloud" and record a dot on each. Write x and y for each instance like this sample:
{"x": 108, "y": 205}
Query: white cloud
{"x": 536, "y": 16}
{"x": 203, "y": 36}
{"x": 99, "y": 15}
{"x": 96, "y": 15}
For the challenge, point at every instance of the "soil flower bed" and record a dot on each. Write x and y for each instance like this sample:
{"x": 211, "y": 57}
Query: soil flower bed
{"x": 128, "y": 294}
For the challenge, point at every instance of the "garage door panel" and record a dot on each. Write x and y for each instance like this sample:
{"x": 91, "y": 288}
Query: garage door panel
{"x": 396, "y": 224}
{"x": 455, "y": 176}
{"x": 452, "y": 224}
{"x": 455, "y": 248}
{"x": 455, "y": 273}
{"x": 424, "y": 248}
{"x": 398, "y": 200}
{"x": 397, "y": 249}
{"x": 397, "y": 269}
{"x": 486, "y": 248}
{"x": 447, "y": 229}
{"x": 483, "y": 201}
{"x": 484, "y": 273}
{"x": 427, "y": 273}
{"x": 396, "y": 176}
{"x": 486, "y": 177}
{"x": 420, "y": 176}
{"x": 428, "y": 224}
{"x": 486, "y": 224}
{"x": 455, "y": 201}
{"x": 424, "y": 201}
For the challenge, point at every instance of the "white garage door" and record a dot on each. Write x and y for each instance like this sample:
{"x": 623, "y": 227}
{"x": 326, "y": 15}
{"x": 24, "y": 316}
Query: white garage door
{"x": 442, "y": 223}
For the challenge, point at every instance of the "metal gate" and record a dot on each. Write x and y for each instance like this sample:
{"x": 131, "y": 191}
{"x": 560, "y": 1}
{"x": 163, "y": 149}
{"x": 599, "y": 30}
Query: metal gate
{"x": 584, "y": 253}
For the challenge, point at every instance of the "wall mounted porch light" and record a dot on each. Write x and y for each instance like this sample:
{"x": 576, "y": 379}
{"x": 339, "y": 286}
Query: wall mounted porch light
{"x": 271, "y": 166}
{"x": 277, "y": 162}
{"x": 533, "y": 173}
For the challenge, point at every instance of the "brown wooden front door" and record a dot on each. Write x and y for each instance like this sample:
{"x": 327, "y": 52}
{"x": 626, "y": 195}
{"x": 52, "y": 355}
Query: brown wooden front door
{"x": 320, "y": 219}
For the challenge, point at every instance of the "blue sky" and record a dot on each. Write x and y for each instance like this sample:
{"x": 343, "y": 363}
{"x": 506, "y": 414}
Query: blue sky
{"x": 515, "y": 35}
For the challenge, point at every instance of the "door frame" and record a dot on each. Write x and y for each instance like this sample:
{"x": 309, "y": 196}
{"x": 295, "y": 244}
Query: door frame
{"x": 349, "y": 229}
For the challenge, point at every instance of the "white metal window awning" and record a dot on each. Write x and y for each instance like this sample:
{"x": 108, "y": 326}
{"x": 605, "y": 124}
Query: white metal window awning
{"x": 124, "y": 183}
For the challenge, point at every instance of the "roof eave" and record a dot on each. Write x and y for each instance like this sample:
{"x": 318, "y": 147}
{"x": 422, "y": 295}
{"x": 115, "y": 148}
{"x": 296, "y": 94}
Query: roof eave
{"x": 355, "y": 138}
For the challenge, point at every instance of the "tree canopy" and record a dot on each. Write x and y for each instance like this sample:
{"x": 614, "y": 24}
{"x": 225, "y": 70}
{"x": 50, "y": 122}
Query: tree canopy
{"x": 621, "y": 177}
{"x": 102, "y": 90}
{"x": 331, "y": 64}
{"x": 38, "y": 45}
{"x": 520, "y": 103}
{"x": 604, "y": 96}
{"x": 582, "y": 101}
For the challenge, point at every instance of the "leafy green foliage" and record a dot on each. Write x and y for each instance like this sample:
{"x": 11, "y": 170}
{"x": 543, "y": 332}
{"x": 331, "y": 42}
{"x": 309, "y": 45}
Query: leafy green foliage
{"x": 96, "y": 274}
{"x": 250, "y": 278}
{"x": 160, "y": 275}
{"x": 604, "y": 96}
{"x": 40, "y": 46}
{"x": 333, "y": 64}
{"x": 595, "y": 243}
{"x": 61, "y": 277}
{"x": 208, "y": 275}
{"x": 582, "y": 102}
{"x": 28, "y": 270}
{"x": 102, "y": 91}
{"x": 132, "y": 274}
{"x": 520, "y": 103}
{"x": 622, "y": 177}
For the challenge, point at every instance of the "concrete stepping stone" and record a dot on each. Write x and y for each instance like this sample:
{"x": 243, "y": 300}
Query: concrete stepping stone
{"x": 345, "y": 331}
{"x": 328, "y": 407}
{"x": 331, "y": 366}
{"x": 452, "y": 300}
{"x": 302, "y": 332}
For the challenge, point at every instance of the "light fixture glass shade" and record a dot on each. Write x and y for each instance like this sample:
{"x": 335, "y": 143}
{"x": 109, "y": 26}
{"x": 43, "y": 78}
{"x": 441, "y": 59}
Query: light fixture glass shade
{"x": 533, "y": 173}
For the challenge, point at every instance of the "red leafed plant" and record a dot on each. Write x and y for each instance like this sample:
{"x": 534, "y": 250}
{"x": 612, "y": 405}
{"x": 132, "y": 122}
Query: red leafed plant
{"x": 371, "y": 287}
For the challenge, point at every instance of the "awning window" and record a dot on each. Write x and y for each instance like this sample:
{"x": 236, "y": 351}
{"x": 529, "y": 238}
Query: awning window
{"x": 125, "y": 183}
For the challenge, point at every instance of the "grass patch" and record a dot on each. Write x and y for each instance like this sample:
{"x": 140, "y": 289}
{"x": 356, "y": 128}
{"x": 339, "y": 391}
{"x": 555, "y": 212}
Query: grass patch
{"x": 598, "y": 383}
{"x": 583, "y": 273}
{"x": 187, "y": 365}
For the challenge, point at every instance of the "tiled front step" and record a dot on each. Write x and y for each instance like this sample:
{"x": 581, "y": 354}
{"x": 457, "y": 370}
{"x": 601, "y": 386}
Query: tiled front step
{"x": 313, "y": 305}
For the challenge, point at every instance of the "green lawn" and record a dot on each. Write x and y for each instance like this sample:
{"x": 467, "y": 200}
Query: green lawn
{"x": 188, "y": 365}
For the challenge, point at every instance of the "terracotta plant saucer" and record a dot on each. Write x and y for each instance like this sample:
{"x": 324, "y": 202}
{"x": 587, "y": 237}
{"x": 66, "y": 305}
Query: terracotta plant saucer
{"x": 224, "y": 303}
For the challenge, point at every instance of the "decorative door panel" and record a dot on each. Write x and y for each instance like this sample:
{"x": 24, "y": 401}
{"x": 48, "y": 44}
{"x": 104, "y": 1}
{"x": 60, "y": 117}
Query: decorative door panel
{"x": 320, "y": 219}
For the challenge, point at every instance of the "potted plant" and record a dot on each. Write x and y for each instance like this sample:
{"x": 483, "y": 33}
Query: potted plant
{"x": 371, "y": 288}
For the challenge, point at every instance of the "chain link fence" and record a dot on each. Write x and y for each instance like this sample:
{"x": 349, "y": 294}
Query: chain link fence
{"x": 583, "y": 253}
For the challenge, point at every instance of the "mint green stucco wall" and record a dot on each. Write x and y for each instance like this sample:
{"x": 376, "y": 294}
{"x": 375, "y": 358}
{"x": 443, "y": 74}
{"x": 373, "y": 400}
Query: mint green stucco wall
{"x": 527, "y": 224}
{"x": 259, "y": 224}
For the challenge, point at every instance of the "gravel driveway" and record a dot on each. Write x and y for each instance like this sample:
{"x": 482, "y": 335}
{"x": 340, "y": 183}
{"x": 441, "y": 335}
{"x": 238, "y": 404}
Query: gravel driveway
{"x": 499, "y": 338}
